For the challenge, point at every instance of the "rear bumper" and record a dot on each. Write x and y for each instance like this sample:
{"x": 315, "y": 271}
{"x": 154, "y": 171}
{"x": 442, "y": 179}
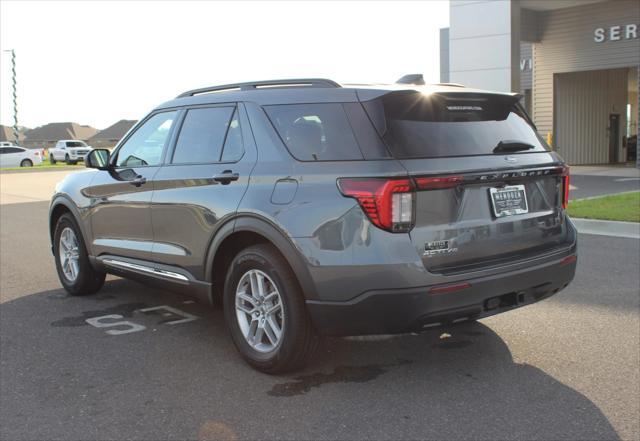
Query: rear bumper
{"x": 416, "y": 309}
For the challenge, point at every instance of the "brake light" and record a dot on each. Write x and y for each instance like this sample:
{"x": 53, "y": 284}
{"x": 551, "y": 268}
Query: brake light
{"x": 438, "y": 183}
{"x": 565, "y": 186}
{"x": 388, "y": 203}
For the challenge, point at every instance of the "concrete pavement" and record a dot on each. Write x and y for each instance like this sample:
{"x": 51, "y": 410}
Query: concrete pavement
{"x": 30, "y": 186}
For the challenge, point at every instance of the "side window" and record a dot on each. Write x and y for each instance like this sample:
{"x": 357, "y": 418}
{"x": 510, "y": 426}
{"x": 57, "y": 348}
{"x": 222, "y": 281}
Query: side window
{"x": 233, "y": 146}
{"x": 3, "y": 150}
{"x": 315, "y": 132}
{"x": 203, "y": 136}
{"x": 14, "y": 150}
{"x": 144, "y": 147}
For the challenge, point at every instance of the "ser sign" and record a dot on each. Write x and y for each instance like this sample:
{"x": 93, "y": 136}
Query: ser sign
{"x": 615, "y": 33}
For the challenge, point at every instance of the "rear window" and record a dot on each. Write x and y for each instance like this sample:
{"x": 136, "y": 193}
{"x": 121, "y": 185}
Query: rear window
{"x": 324, "y": 131}
{"x": 429, "y": 126}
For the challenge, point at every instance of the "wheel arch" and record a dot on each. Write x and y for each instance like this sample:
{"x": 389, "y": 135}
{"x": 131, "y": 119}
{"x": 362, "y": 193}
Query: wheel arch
{"x": 247, "y": 230}
{"x": 59, "y": 207}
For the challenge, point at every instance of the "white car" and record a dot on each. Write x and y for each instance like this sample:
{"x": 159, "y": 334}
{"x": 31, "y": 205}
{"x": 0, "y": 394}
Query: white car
{"x": 15, "y": 156}
{"x": 69, "y": 150}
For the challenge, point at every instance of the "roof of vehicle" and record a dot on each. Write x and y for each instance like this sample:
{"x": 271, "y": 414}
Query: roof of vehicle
{"x": 298, "y": 91}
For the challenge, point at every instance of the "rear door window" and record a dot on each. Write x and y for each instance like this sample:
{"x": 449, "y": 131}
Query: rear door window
{"x": 431, "y": 126}
{"x": 315, "y": 132}
{"x": 13, "y": 150}
{"x": 204, "y": 133}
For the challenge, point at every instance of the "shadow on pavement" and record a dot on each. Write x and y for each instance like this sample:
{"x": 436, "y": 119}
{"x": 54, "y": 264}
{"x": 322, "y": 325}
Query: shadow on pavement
{"x": 64, "y": 378}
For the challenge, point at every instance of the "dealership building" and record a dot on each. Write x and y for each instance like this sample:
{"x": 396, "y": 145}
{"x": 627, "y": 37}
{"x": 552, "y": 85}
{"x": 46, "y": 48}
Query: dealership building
{"x": 576, "y": 63}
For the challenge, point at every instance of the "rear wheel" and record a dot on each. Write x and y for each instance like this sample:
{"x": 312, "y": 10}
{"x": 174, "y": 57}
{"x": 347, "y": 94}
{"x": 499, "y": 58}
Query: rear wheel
{"x": 72, "y": 261}
{"x": 265, "y": 311}
{"x": 26, "y": 163}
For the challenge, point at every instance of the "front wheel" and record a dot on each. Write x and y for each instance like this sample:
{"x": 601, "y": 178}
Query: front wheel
{"x": 67, "y": 159}
{"x": 26, "y": 163}
{"x": 265, "y": 311}
{"x": 52, "y": 160}
{"x": 75, "y": 272}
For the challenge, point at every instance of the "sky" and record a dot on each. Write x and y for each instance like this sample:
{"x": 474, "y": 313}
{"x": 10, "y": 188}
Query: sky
{"x": 98, "y": 62}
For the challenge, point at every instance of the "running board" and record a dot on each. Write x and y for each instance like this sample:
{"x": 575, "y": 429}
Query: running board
{"x": 161, "y": 276}
{"x": 145, "y": 269}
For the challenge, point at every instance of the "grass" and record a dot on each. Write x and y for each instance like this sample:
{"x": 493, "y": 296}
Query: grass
{"x": 620, "y": 207}
{"x": 45, "y": 165}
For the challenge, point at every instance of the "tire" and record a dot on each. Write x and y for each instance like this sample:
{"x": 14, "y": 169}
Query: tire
{"x": 298, "y": 340}
{"x": 87, "y": 280}
{"x": 26, "y": 163}
{"x": 67, "y": 159}
{"x": 52, "y": 160}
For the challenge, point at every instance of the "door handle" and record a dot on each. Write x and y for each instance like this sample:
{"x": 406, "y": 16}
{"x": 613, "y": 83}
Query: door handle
{"x": 138, "y": 181}
{"x": 226, "y": 177}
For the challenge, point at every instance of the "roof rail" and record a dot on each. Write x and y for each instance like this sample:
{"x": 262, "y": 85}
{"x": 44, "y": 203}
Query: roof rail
{"x": 252, "y": 85}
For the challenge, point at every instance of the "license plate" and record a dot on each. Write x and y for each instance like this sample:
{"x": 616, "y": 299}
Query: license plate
{"x": 507, "y": 201}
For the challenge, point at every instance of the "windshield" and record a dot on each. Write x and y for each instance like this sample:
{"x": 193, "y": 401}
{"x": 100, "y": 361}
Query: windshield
{"x": 419, "y": 126}
{"x": 76, "y": 144}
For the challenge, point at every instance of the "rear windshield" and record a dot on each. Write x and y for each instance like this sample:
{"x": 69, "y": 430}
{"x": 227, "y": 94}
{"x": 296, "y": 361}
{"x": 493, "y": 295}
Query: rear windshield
{"x": 415, "y": 125}
{"x": 327, "y": 131}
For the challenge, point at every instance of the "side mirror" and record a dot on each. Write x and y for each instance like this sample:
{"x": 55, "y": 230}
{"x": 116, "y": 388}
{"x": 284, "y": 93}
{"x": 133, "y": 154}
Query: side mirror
{"x": 97, "y": 158}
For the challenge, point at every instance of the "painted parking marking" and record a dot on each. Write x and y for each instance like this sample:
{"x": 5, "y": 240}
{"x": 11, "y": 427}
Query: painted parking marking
{"x": 104, "y": 322}
{"x": 169, "y": 311}
{"x": 165, "y": 311}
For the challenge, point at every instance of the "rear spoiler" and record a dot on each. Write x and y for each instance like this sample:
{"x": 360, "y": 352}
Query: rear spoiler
{"x": 431, "y": 89}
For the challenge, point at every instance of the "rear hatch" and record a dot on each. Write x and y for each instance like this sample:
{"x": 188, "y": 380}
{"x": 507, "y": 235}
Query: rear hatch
{"x": 487, "y": 190}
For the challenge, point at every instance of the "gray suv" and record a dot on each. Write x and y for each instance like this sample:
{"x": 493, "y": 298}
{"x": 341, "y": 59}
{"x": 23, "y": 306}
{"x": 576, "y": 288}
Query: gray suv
{"x": 306, "y": 208}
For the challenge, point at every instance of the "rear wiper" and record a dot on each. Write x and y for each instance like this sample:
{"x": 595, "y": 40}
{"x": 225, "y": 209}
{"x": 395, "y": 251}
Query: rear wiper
{"x": 512, "y": 146}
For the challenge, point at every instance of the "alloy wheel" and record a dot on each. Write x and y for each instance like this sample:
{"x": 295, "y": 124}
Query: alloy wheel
{"x": 69, "y": 254}
{"x": 259, "y": 311}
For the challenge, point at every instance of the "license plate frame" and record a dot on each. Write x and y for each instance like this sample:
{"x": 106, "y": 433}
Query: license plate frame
{"x": 508, "y": 201}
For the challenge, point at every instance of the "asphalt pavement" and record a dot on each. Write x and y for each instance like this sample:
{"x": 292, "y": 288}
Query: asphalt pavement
{"x": 565, "y": 368}
{"x": 594, "y": 181}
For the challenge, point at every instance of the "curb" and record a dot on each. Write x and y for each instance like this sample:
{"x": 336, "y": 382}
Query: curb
{"x": 607, "y": 228}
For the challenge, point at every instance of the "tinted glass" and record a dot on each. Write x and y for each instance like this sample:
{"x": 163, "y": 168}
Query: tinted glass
{"x": 315, "y": 132}
{"x": 233, "y": 145}
{"x": 419, "y": 126}
{"x": 202, "y": 135}
{"x": 144, "y": 147}
{"x": 13, "y": 150}
{"x": 3, "y": 150}
{"x": 76, "y": 144}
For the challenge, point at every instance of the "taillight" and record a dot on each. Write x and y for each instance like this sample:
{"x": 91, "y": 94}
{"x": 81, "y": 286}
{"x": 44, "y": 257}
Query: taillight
{"x": 565, "y": 186}
{"x": 389, "y": 203}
